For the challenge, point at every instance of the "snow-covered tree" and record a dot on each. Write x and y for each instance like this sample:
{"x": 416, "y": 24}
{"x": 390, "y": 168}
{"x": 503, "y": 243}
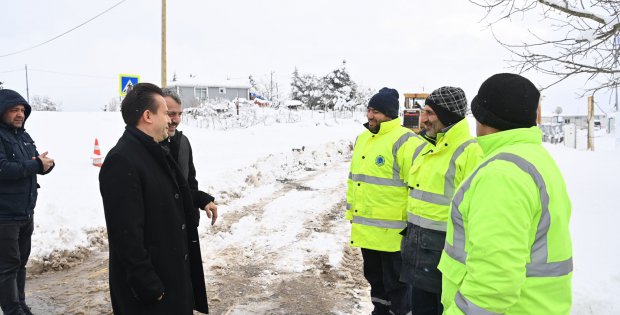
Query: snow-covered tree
{"x": 253, "y": 88}
{"x": 585, "y": 40}
{"x": 338, "y": 88}
{"x": 306, "y": 88}
{"x": 297, "y": 86}
{"x": 362, "y": 97}
{"x": 114, "y": 105}
{"x": 266, "y": 90}
{"x": 44, "y": 103}
{"x": 335, "y": 90}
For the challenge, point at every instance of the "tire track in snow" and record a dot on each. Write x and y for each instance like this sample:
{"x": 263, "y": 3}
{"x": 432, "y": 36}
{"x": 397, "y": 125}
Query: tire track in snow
{"x": 287, "y": 253}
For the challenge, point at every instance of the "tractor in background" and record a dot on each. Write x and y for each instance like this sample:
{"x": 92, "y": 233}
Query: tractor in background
{"x": 412, "y": 110}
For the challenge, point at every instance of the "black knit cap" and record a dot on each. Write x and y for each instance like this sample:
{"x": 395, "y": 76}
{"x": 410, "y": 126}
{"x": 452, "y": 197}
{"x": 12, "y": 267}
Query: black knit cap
{"x": 449, "y": 104}
{"x": 506, "y": 101}
{"x": 386, "y": 101}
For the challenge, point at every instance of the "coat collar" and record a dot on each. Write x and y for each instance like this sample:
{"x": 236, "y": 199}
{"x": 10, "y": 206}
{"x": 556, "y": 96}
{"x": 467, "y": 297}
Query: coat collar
{"x": 386, "y": 126}
{"x": 492, "y": 142}
{"x": 161, "y": 154}
{"x": 455, "y": 134}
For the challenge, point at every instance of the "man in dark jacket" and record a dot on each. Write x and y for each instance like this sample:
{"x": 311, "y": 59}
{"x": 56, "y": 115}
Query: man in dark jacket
{"x": 181, "y": 151}
{"x": 155, "y": 261}
{"x": 19, "y": 165}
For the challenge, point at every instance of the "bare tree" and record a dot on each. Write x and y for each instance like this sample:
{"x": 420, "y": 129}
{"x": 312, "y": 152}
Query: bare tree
{"x": 585, "y": 39}
{"x": 114, "y": 105}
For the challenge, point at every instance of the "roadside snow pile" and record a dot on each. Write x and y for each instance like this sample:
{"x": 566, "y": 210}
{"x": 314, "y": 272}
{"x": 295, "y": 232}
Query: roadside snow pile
{"x": 283, "y": 210}
{"x": 69, "y": 206}
{"x": 282, "y": 167}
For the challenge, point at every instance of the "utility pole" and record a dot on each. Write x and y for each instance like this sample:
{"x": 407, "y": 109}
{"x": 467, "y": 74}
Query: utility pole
{"x": 590, "y": 123}
{"x": 617, "y": 120}
{"x": 617, "y": 108}
{"x": 271, "y": 88}
{"x": 27, "y": 89}
{"x": 163, "y": 44}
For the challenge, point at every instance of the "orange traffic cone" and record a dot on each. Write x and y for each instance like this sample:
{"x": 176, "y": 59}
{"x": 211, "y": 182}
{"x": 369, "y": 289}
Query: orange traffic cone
{"x": 97, "y": 154}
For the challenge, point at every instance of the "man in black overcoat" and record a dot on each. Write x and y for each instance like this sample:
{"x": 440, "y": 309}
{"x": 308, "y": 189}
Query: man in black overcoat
{"x": 155, "y": 261}
{"x": 181, "y": 151}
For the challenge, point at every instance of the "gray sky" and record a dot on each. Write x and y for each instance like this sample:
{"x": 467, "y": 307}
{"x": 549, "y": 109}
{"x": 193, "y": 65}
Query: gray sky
{"x": 409, "y": 45}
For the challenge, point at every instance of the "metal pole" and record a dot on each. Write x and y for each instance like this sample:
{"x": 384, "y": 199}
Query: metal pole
{"x": 163, "y": 44}
{"x": 617, "y": 109}
{"x": 590, "y": 123}
{"x": 617, "y": 120}
{"x": 271, "y": 88}
{"x": 27, "y": 89}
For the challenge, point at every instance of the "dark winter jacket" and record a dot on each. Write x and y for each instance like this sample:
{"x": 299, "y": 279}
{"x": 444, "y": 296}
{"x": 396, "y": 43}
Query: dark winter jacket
{"x": 181, "y": 151}
{"x": 152, "y": 230}
{"x": 18, "y": 169}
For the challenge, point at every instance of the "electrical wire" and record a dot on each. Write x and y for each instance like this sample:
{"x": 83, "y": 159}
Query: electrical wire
{"x": 65, "y": 33}
{"x": 9, "y": 71}
{"x": 72, "y": 74}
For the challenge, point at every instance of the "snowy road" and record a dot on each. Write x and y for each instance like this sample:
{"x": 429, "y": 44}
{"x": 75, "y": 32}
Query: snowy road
{"x": 280, "y": 250}
{"x": 289, "y": 253}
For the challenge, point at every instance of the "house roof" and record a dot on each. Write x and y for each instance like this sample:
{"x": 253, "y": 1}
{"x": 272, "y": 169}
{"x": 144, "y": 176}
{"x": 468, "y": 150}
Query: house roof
{"x": 293, "y": 103}
{"x": 546, "y": 115}
{"x": 233, "y": 84}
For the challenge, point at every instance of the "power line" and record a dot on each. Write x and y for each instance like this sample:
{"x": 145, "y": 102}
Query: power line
{"x": 73, "y": 74}
{"x": 65, "y": 33}
{"x": 8, "y": 71}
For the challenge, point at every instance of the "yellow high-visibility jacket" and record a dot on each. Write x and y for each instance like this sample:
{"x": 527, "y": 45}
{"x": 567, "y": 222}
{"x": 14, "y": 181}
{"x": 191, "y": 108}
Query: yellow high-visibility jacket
{"x": 437, "y": 172}
{"x": 377, "y": 192}
{"x": 508, "y": 247}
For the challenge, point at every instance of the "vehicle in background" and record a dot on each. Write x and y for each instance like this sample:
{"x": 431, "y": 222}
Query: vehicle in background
{"x": 412, "y": 110}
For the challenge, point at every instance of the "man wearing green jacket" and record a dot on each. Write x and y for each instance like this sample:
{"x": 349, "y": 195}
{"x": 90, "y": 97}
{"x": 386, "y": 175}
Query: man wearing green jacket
{"x": 377, "y": 200}
{"x": 432, "y": 181}
{"x": 508, "y": 245}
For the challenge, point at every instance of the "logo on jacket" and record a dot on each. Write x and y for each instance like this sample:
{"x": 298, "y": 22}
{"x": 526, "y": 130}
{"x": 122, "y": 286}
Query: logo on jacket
{"x": 380, "y": 160}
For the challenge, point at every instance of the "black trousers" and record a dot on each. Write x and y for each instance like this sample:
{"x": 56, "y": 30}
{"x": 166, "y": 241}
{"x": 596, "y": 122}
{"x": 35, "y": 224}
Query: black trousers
{"x": 15, "y": 236}
{"x": 388, "y": 294}
{"x": 426, "y": 303}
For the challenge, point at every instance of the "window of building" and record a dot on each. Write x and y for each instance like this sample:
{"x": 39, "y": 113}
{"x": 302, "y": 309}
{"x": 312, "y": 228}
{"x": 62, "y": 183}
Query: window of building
{"x": 200, "y": 93}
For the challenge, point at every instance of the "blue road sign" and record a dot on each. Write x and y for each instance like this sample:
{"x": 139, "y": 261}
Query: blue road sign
{"x": 126, "y": 82}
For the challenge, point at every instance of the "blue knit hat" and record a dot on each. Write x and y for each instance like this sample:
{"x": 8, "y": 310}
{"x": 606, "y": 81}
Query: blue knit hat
{"x": 386, "y": 101}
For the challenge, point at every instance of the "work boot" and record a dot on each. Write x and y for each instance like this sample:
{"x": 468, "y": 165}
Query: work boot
{"x": 25, "y": 308}
{"x": 12, "y": 309}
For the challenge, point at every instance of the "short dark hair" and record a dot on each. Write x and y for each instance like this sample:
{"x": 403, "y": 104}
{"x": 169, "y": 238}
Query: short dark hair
{"x": 173, "y": 94}
{"x": 139, "y": 99}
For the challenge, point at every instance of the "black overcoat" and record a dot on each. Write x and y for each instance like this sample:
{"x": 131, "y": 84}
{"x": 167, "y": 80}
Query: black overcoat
{"x": 152, "y": 230}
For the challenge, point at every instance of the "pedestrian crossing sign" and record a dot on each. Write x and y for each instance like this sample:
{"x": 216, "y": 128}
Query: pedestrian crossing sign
{"x": 126, "y": 82}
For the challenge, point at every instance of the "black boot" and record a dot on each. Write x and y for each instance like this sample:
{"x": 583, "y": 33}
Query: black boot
{"x": 12, "y": 309}
{"x": 25, "y": 308}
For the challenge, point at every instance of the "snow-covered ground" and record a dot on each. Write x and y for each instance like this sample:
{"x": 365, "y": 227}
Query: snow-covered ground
{"x": 244, "y": 165}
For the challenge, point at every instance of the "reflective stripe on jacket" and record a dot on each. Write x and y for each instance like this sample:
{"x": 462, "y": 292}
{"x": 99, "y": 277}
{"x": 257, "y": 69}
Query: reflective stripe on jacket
{"x": 508, "y": 246}
{"x": 435, "y": 175}
{"x": 377, "y": 193}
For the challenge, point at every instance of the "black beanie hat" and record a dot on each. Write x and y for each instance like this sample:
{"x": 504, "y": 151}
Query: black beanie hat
{"x": 386, "y": 101}
{"x": 449, "y": 104}
{"x": 506, "y": 101}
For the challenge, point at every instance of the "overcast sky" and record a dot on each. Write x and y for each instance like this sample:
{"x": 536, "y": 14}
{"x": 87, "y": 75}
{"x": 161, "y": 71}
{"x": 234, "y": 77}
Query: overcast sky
{"x": 409, "y": 45}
